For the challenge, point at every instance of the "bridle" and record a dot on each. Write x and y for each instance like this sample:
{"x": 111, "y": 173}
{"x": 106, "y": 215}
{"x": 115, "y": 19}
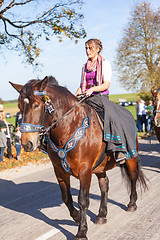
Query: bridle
{"x": 47, "y": 107}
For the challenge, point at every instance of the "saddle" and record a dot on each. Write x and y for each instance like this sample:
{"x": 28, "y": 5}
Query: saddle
{"x": 100, "y": 118}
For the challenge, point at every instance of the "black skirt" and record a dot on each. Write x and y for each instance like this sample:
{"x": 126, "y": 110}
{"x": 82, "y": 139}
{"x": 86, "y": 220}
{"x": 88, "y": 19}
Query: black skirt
{"x": 119, "y": 125}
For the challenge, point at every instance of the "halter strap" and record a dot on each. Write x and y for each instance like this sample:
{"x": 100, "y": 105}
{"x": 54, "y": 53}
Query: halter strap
{"x": 28, "y": 127}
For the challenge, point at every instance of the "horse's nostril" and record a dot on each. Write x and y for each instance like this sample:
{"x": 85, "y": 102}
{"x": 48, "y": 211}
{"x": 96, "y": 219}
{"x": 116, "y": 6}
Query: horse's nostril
{"x": 28, "y": 147}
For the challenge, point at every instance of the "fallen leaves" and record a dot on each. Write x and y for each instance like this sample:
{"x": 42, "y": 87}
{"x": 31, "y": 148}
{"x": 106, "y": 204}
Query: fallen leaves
{"x": 37, "y": 157}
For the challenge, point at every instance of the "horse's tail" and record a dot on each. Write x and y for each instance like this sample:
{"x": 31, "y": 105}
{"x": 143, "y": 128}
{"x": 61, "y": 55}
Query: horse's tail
{"x": 140, "y": 176}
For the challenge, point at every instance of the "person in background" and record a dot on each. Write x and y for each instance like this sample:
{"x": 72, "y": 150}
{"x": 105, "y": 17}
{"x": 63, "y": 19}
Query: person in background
{"x": 18, "y": 119}
{"x": 139, "y": 124}
{"x": 142, "y": 114}
{"x": 149, "y": 110}
{"x": 18, "y": 143}
{"x": 3, "y": 139}
{"x": 8, "y": 135}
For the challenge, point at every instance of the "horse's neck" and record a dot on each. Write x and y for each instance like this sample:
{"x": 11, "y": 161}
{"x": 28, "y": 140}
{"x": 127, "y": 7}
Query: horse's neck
{"x": 67, "y": 126}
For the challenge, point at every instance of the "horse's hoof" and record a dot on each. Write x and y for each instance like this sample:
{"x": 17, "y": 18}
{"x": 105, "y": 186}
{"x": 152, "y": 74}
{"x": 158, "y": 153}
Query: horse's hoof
{"x": 132, "y": 208}
{"x": 80, "y": 238}
{"x": 100, "y": 220}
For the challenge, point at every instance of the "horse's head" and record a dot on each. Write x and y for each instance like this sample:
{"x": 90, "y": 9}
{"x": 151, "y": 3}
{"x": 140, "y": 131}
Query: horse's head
{"x": 32, "y": 102}
{"x": 156, "y": 102}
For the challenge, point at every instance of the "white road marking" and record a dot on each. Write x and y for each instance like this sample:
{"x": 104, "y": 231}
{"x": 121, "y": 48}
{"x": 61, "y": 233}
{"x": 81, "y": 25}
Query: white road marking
{"x": 48, "y": 234}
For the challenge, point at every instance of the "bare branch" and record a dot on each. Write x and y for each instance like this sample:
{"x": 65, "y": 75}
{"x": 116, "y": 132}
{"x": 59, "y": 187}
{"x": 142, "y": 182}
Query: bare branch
{"x": 24, "y": 35}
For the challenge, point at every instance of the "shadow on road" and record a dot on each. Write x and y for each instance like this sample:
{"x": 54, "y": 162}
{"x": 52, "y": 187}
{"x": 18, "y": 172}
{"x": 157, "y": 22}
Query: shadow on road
{"x": 31, "y": 197}
{"x": 150, "y": 154}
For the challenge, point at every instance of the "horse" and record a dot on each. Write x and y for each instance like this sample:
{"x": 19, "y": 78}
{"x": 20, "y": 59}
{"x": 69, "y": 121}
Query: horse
{"x": 156, "y": 112}
{"x": 75, "y": 143}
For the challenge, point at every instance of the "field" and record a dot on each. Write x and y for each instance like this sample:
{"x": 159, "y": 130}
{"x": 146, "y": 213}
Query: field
{"x": 129, "y": 97}
{"x": 11, "y": 108}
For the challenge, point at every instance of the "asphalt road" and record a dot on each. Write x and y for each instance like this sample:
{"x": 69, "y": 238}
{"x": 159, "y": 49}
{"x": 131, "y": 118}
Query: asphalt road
{"x": 31, "y": 207}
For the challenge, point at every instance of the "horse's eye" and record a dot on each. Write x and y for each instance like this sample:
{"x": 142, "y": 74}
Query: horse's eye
{"x": 36, "y": 105}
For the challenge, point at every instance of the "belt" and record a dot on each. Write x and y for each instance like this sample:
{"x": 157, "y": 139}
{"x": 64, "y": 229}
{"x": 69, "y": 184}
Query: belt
{"x": 89, "y": 86}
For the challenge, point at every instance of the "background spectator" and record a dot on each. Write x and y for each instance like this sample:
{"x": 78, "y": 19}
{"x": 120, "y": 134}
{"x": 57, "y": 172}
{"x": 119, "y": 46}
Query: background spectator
{"x": 18, "y": 143}
{"x": 18, "y": 119}
{"x": 8, "y": 135}
{"x": 149, "y": 111}
{"x": 3, "y": 140}
{"x": 142, "y": 114}
{"x": 139, "y": 124}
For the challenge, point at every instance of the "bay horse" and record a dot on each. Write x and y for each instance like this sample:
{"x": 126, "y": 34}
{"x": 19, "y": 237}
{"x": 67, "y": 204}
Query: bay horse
{"x": 156, "y": 111}
{"x": 75, "y": 143}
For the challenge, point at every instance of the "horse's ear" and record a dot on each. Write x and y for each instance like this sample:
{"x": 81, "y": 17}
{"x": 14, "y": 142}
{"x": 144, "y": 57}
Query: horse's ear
{"x": 41, "y": 85}
{"x": 18, "y": 87}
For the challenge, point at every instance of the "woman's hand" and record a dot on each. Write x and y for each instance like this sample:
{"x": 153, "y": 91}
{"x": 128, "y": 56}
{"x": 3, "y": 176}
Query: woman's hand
{"x": 100, "y": 88}
{"x": 89, "y": 92}
{"x": 79, "y": 92}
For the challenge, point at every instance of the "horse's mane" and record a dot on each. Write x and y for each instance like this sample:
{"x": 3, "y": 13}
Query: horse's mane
{"x": 54, "y": 83}
{"x": 51, "y": 81}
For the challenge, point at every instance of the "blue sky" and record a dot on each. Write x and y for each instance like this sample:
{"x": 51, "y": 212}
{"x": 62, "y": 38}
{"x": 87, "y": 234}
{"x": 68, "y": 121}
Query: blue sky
{"x": 104, "y": 19}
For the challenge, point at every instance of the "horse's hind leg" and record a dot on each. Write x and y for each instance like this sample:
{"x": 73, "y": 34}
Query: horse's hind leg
{"x": 131, "y": 169}
{"x": 135, "y": 173}
{"x": 104, "y": 187}
{"x": 64, "y": 183}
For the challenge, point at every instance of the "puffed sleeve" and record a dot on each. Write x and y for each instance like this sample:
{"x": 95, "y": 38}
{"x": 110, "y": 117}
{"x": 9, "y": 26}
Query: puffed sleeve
{"x": 107, "y": 71}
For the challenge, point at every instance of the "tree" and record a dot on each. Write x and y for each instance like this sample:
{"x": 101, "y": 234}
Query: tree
{"x": 138, "y": 52}
{"x": 46, "y": 19}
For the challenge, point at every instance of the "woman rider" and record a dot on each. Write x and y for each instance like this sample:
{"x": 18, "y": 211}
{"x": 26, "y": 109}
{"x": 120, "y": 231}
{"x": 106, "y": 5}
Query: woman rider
{"x": 119, "y": 124}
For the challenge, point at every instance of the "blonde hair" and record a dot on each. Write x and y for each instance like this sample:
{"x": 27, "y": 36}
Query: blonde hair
{"x": 2, "y": 115}
{"x": 96, "y": 42}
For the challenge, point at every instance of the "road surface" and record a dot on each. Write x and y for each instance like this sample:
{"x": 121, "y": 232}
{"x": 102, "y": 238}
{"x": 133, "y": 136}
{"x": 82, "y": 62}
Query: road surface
{"x": 31, "y": 207}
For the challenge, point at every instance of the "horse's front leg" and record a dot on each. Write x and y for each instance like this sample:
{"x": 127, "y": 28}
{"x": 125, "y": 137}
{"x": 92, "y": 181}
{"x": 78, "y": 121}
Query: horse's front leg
{"x": 83, "y": 202}
{"x": 64, "y": 183}
{"x": 104, "y": 187}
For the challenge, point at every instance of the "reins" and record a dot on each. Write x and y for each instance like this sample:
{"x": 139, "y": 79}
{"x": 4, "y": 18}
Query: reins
{"x": 44, "y": 130}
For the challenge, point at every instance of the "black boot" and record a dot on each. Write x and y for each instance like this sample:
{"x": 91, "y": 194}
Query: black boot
{"x": 120, "y": 157}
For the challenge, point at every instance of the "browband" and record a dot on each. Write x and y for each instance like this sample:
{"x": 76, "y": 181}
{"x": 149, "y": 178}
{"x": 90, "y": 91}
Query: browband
{"x": 36, "y": 92}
